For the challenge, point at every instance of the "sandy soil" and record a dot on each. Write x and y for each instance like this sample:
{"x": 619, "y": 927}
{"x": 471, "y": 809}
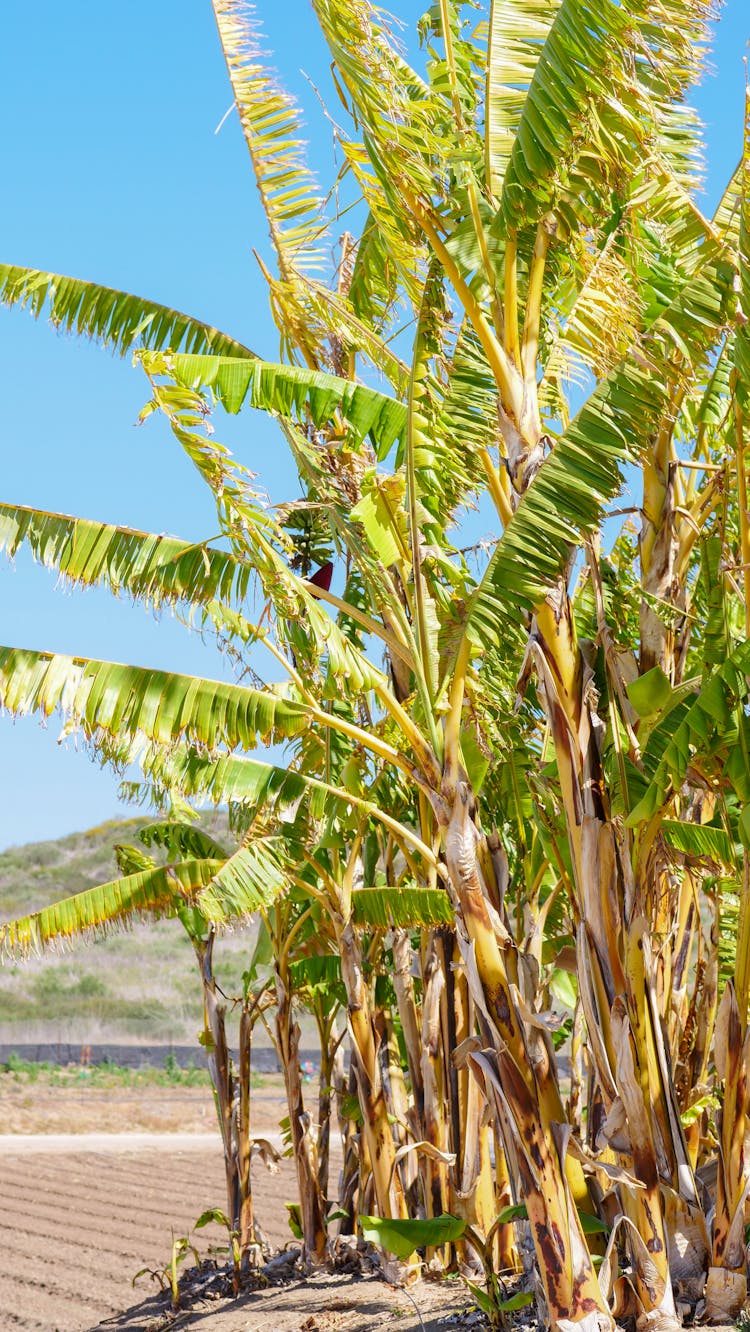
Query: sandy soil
{"x": 81, "y": 1214}
{"x": 38, "y": 1108}
{"x": 330, "y": 1303}
{"x": 110, "y": 1144}
{"x": 75, "y": 1227}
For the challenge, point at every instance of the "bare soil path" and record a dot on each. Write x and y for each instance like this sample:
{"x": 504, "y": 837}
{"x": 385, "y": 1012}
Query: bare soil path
{"x": 109, "y": 1144}
{"x": 38, "y": 1107}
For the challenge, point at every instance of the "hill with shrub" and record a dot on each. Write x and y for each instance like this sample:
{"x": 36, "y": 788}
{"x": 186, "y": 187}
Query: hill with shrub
{"x": 119, "y": 987}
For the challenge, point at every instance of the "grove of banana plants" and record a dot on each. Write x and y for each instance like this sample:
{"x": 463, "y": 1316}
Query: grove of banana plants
{"x": 490, "y": 798}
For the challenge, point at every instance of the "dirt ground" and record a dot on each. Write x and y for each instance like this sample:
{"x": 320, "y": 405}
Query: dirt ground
{"x": 77, "y": 1223}
{"x": 330, "y": 1303}
{"x": 35, "y": 1107}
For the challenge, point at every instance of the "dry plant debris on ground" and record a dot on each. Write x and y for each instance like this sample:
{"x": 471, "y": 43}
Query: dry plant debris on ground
{"x": 333, "y": 1302}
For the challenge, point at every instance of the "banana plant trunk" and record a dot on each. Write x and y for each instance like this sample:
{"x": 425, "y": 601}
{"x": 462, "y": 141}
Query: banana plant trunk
{"x": 617, "y": 901}
{"x": 518, "y": 1078}
{"x": 233, "y": 1123}
{"x": 436, "y": 1092}
{"x": 325, "y": 1088}
{"x": 726, "y": 1287}
{"x": 249, "y": 1236}
{"x": 312, "y": 1202}
{"x": 403, "y": 983}
{"x": 377, "y": 1129}
{"x": 345, "y": 1083}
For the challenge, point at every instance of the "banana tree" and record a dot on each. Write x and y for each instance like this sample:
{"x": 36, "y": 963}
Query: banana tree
{"x": 148, "y": 891}
{"x": 230, "y": 1084}
{"x": 529, "y": 213}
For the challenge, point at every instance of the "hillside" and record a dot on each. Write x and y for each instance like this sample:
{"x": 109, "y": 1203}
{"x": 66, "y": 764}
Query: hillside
{"x": 139, "y": 984}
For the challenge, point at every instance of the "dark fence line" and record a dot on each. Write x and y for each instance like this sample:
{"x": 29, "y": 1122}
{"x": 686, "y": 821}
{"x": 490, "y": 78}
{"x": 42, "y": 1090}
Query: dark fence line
{"x": 135, "y": 1056}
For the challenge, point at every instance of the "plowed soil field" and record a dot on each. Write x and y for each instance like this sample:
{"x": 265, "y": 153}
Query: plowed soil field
{"x": 81, "y": 1212}
{"x": 75, "y": 1227}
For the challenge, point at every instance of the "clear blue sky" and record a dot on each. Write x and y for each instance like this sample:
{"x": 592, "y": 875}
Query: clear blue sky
{"x": 112, "y": 171}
